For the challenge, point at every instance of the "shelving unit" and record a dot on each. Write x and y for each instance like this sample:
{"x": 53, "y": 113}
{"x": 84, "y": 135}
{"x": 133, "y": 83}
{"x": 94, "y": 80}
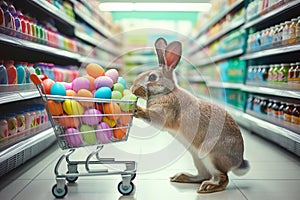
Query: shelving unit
{"x": 213, "y": 84}
{"x": 16, "y": 149}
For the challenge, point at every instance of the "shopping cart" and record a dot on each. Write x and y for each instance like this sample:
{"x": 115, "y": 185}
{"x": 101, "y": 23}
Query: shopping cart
{"x": 72, "y": 133}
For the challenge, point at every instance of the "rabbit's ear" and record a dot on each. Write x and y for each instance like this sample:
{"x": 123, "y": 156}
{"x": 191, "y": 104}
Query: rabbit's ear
{"x": 173, "y": 54}
{"x": 160, "y": 46}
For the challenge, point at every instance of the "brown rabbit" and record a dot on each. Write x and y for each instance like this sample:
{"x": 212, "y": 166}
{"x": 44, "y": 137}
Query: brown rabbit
{"x": 208, "y": 131}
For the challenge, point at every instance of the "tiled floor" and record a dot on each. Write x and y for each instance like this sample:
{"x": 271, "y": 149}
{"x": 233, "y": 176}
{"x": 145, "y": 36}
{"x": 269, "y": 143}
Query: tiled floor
{"x": 274, "y": 174}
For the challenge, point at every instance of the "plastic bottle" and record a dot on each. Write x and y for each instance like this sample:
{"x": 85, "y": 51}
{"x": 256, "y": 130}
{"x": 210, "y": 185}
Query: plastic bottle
{"x": 283, "y": 73}
{"x": 3, "y": 127}
{"x": 297, "y": 73}
{"x": 296, "y": 115}
{"x": 9, "y": 19}
{"x": 37, "y": 116}
{"x": 20, "y": 73}
{"x": 285, "y": 32}
{"x": 27, "y": 119}
{"x": 12, "y": 123}
{"x": 270, "y": 73}
{"x": 30, "y": 68}
{"x": 298, "y": 29}
{"x": 11, "y": 71}
{"x": 2, "y": 18}
{"x": 3, "y": 74}
{"x": 291, "y": 78}
{"x": 20, "y": 121}
{"x": 292, "y": 32}
{"x": 37, "y": 69}
{"x": 27, "y": 72}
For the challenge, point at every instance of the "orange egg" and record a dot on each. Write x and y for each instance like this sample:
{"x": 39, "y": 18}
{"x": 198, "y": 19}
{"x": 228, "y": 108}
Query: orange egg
{"x": 88, "y": 94}
{"x": 99, "y": 106}
{"x": 119, "y": 133}
{"x": 54, "y": 107}
{"x": 125, "y": 118}
{"x": 112, "y": 108}
{"x": 70, "y": 93}
{"x": 94, "y": 70}
{"x": 68, "y": 122}
{"x": 91, "y": 79}
{"x": 47, "y": 84}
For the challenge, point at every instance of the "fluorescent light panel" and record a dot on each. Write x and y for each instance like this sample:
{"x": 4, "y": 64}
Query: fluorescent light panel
{"x": 121, "y": 6}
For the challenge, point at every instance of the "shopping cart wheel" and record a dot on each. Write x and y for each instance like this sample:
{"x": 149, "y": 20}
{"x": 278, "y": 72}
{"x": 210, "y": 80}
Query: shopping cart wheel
{"x": 133, "y": 176}
{"x": 72, "y": 179}
{"x": 59, "y": 193}
{"x": 125, "y": 190}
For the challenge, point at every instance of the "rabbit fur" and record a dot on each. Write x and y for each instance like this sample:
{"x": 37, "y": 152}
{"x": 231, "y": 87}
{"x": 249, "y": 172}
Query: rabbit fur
{"x": 208, "y": 131}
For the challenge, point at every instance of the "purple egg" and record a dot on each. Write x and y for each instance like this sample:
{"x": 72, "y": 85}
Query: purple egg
{"x": 93, "y": 118}
{"x": 80, "y": 83}
{"x": 103, "y": 81}
{"x": 104, "y": 133}
{"x": 73, "y": 138}
{"x": 113, "y": 74}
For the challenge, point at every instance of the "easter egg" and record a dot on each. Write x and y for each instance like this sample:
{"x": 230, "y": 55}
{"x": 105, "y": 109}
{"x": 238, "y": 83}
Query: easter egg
{"x": 73, "y": 137}
{"x": 68, "y": 86}
{"x": 111, "y": 111}
{"x": 72, "y": 107}
{"x": 80, "y": 83}
{"x": 104, "y": 133}
{"x": 91, "y": 79}
{"x": 103, "y": 93}
{"x": 125, "y": 118}
{"x": 119, "y": 133}
{"x": 122, "y": 81}
{"x": 113, "y": 74}
{"x": 69, "y": 122}
{"x": 111, "y": 123}
{"x": 58, "y": 89}
{"x": 118, "y": 87}
{"x": 116, "y": 95}
{"x": 103, "y": 81}
{"x": 70, "y": 93}
{"x": 128, "y": 106}
{"x": 126, "y": 91}
{"x": 92, "y": 117}
{"x": 47, "y": 84}
{"x": 88, "y": 94}
{"x": 54, "y": 107}
{"x": 94, "y": 70}
{"x": 88, "y": 134}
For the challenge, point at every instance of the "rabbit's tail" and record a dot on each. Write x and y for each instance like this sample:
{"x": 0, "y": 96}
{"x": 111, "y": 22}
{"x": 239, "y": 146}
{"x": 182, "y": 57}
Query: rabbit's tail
{"x": 242, "y": 169}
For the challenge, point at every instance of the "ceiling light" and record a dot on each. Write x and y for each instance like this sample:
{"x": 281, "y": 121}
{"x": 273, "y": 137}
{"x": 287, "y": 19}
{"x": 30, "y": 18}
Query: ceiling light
{"x": 121, "y": 6}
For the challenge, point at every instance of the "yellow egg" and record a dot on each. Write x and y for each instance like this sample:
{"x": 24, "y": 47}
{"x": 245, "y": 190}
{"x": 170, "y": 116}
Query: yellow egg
{"x": 110, "y": 122}
{"x": 94, "y": 70}
{"x": 88, "y": 94}
{"x": 72, "y": 107}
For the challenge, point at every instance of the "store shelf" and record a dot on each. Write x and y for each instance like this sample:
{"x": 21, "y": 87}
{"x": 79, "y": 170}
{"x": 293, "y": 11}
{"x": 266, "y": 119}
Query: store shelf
{"x": 219, "y": 57}
{"x": 53, "y": 11}
{"x": 215, "y": 84}
{"x": 282, "y": 89}
{"x": 223, "y": 32}
{"x": 44, "y": 135}
{"x": 25, "y": 44}
{"x": 280, "y": 10}
{"x": 85, "y": 37}
{"x": 271, "y": 52}
{"x": 100, "y": 28}
{"x": 234, "y": 6}
{"x": 12, "y": 93}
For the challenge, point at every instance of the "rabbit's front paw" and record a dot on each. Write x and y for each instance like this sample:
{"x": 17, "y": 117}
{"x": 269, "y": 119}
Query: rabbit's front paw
{"x": 139, "y": 112}
{"x": 186, "y": 178}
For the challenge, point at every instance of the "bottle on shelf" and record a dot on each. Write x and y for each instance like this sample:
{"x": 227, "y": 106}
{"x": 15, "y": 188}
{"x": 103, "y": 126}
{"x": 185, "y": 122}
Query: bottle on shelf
{"x": 21, "y": 74}
{"x": 12, "y": 123}
{"x": 20, "y": 121}
{"x": 280, "y": 110}
{"x": 3, "y": 74}
{"x": 27, "y": 119}
{"x": 297, "y": 73}
{"x": 3, "y": 127}
{"x": 296, "y": 115}
{"x": 292, "y": 32}
{"x": 8, "y": 18}
{"x": 288, "y": 112}
{"x": 2, "y": 18}
{"x": 11, "y": 71}
{"x": 298, "y": 30}
{"x": 283, "y": 73}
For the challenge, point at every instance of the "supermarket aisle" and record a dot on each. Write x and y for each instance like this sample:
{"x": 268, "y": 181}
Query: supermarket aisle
{"x": 275, "y": 174}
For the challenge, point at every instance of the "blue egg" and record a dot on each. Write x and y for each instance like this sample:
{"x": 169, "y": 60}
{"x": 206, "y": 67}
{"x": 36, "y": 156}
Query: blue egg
{"x": 103, "y": 93}
{"x": 122, "y": 81}
{"x": 58, "y": 89}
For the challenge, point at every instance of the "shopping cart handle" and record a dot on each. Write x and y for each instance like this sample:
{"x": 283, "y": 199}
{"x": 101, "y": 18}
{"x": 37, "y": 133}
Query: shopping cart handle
{"x": 38, "y": 79}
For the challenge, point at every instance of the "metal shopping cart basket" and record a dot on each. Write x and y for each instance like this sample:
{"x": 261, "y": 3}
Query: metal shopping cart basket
{"x": 74, "y": 129}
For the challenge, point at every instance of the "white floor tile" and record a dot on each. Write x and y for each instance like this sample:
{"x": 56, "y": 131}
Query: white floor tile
{"x": 13, "y": 188}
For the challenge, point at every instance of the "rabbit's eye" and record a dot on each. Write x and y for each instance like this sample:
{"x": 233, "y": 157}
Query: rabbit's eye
{"x": 152, "y": 77}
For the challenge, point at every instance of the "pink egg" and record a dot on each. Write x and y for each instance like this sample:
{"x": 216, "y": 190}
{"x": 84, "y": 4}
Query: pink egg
{"x": 73, "y": 138}
{"x": 113, "y": 74}
{"x": 103, "y": 81}
{"x": 104, "y": 133}
{"x": 93, "y": 117}
{"x": 80, "y": 83}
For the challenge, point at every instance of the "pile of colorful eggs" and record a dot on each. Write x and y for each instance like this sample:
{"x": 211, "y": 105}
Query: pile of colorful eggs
{"x": 88, "y": 121}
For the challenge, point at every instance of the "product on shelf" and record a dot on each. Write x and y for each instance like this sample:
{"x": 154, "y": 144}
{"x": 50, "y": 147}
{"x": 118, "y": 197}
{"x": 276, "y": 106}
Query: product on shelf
{"x": 3, "y": 74}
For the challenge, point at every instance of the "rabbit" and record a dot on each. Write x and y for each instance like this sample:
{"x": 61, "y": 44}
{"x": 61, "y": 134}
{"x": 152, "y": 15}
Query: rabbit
{"x": 208, "y": 131}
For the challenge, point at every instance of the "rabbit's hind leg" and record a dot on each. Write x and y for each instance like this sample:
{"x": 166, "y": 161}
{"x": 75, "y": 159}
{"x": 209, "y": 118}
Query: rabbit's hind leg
{"x": 217, "y": 183}
{"x": 187, "y": 178}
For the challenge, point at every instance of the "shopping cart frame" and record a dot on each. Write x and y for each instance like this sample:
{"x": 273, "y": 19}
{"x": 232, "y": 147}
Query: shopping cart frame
{"x": 60, "y": 189}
